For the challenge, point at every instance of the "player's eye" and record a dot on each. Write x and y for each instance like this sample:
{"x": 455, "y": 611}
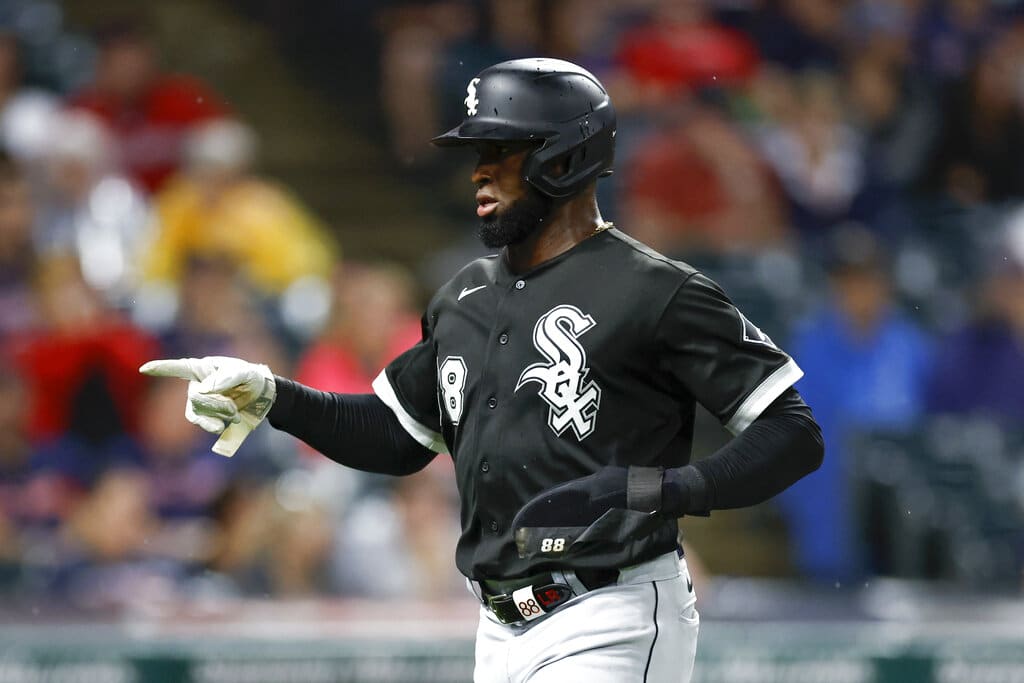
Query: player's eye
{"x": 494, "y": 150}
{"x": 515, "y": 147}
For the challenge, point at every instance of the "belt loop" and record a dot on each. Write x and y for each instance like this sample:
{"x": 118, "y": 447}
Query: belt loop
{"x": 558, "y": 576}
{"x": 571, "y": 579}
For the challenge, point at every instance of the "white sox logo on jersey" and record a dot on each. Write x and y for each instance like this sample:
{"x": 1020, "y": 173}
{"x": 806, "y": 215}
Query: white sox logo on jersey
{"x": 572, "y": 402}
{"x": 471, "y": 100}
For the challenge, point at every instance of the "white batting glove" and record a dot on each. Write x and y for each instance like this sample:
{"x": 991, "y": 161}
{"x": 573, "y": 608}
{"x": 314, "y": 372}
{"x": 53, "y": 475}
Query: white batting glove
{"x": 226, "y": 396}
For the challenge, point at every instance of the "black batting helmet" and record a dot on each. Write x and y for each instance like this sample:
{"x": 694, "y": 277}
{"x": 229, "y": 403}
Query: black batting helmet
{"x": 556, "y": 103}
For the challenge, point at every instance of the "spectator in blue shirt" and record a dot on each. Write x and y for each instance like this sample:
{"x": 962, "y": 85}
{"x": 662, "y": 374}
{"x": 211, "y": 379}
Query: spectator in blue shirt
{"x": 866, "y": 365}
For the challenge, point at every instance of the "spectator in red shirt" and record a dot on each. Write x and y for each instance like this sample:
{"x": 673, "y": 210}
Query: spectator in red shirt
{"x": 148, "y": 111}
{"x": 682, "y": 48}
{"x": 698, "y": 184}
{"x": 84, "y": 358}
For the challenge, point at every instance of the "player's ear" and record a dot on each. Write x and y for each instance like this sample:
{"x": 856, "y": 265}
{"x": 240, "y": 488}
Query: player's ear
{"x": 558, "y": 167}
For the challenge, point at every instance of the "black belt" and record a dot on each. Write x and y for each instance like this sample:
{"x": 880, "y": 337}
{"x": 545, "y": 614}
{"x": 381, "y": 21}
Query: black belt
{"x": 526, "y": 599}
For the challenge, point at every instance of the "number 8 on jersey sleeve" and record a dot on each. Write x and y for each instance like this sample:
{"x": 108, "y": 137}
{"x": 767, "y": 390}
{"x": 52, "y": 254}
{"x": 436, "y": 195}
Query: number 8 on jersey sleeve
{"x": 452, "y": 378}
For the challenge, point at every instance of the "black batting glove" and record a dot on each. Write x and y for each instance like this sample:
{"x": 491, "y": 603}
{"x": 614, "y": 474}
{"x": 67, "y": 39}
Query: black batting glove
{"x": 576, "y": 503}
{"x": 570, "y": 520}
{"x": 580, "y": 502}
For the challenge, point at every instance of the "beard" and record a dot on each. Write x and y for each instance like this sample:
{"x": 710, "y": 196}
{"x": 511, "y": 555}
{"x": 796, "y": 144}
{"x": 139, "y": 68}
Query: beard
{"x": 519, "y": 220}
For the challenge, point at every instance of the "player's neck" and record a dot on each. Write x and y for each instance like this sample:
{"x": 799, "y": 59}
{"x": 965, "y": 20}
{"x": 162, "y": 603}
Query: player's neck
{"x": 568, "y": 225}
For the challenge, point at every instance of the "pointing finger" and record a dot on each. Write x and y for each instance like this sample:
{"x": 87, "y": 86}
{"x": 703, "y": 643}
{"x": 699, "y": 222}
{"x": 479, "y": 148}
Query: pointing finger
{"x": 183, "y": 368}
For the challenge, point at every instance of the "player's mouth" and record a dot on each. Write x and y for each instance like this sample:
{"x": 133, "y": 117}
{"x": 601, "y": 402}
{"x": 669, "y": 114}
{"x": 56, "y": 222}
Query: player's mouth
{"x": 486, "y": 204}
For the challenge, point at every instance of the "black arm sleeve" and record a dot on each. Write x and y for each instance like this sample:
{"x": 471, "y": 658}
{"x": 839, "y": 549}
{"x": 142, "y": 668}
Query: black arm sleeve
{"x": 356, "y": 430}
{"x": 782, "y": 445}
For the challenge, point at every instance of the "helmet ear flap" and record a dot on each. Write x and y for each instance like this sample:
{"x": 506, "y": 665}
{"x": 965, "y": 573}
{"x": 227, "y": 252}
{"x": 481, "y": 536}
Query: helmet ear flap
{"x": 562, "y": 165}
{"x": 579, "y": 165}
{"x": 575, "y": 159}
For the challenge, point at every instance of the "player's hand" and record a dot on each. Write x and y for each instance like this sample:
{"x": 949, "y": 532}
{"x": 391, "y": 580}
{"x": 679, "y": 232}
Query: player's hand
{"x": 580, "y": 502}
{"x": 226, "y": 396}
{"x": 580, "y": 512}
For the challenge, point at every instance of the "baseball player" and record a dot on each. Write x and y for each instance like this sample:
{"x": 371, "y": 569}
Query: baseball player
{"x": 561, "y": 374}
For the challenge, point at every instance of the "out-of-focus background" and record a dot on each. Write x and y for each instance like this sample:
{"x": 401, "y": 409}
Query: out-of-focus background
{"x": 253, "y": 178}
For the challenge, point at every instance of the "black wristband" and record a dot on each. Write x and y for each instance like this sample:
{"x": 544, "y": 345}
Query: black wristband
{"x": 284, "y": 401}
{"x": 643, "y": 489}
{"x": 684, "y": 491}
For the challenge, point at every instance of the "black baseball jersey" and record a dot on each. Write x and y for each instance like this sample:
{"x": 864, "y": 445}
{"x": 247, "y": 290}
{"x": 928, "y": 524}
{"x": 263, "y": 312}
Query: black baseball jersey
{"x": 594, "y": 358}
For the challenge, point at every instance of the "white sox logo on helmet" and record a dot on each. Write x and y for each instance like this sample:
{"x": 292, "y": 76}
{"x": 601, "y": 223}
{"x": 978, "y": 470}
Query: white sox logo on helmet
{"x": 471, "y": 100}
{"x": 572, "y": 402}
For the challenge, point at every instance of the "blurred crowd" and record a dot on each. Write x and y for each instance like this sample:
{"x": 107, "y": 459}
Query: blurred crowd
{"x": 852, "y": 171}
{"x": 134, "y": 225}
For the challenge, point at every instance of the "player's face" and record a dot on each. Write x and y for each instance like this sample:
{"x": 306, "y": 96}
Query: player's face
{"x": 509, "y": 209}
{"x": 498, "y": 176}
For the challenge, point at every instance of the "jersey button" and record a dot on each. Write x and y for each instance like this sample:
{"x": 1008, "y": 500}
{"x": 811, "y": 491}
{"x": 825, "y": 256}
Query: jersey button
{"x": 485, "y": 466}
{"x": 492, "y": 403}
{"x": 494, "y": 526}
{"x": 503, "y": 339}
{"x": 520, "y": 284}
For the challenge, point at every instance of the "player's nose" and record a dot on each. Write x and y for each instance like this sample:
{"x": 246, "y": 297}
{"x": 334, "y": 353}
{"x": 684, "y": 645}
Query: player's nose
{"x": 483, "y": 174}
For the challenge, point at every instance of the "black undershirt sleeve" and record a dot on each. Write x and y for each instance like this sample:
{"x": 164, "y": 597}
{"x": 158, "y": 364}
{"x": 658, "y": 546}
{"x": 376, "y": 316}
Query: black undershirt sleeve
{"x": 355, "y": 430}
{"x": 781, "y": 446}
